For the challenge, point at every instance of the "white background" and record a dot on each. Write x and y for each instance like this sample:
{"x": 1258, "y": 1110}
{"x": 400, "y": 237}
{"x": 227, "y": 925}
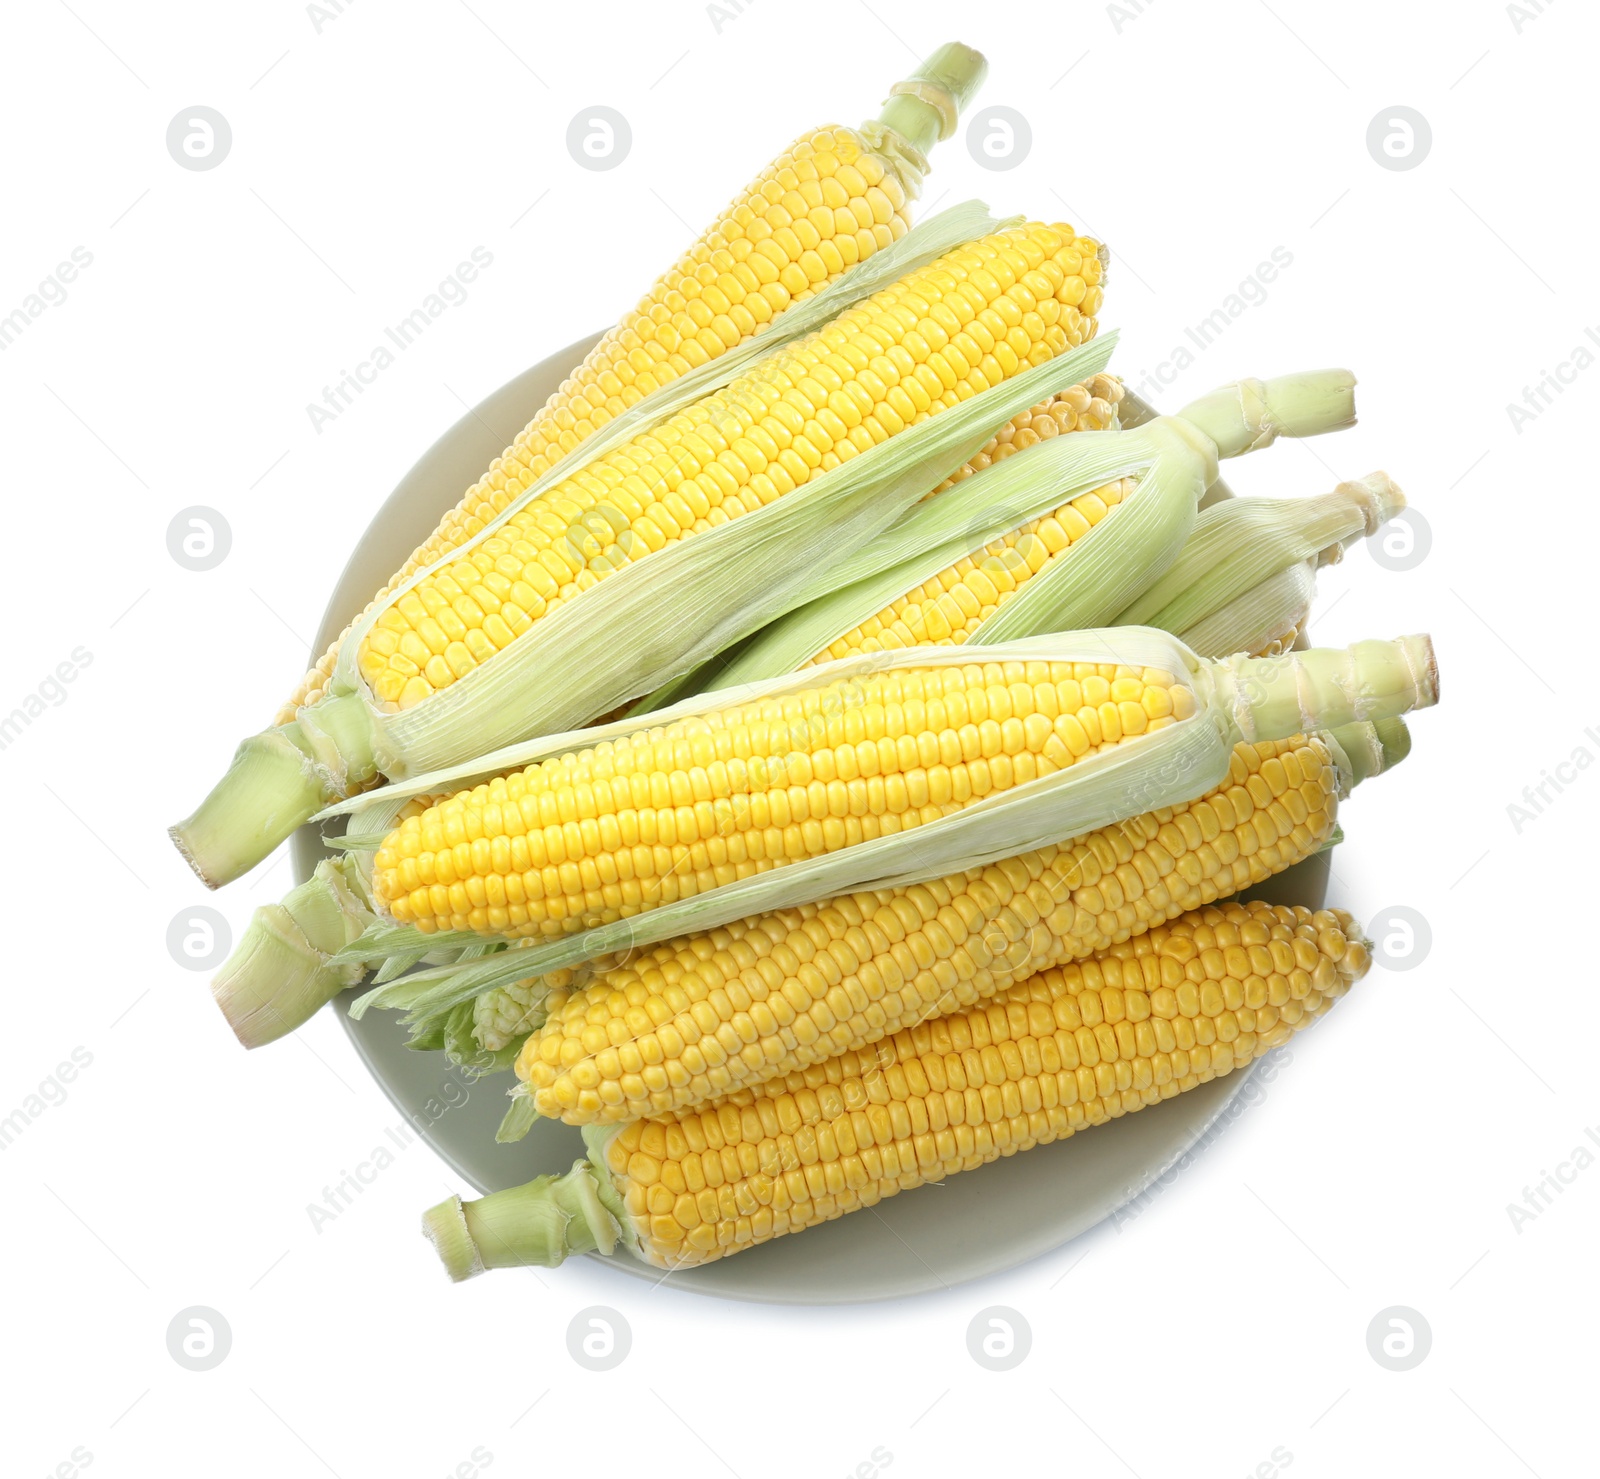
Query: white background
{"x": 368, "y": 158}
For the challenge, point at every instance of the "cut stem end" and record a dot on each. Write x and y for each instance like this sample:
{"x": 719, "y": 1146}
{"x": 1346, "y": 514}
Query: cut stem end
{"x": 536, "y": 1225}
{"x": 280, "y": 974}
{"x": 271, "y": 787}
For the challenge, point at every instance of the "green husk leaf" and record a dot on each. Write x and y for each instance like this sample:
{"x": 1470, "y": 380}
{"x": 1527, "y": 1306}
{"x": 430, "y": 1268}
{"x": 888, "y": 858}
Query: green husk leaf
{"x": 1237, "y": 545}
{"x": 936, "y": 534}
{"x": 388, "y": 940}
{"x": 1259, "y": 617}
{"x": 519, "y": 1118}
{"x": 354, "y": 842}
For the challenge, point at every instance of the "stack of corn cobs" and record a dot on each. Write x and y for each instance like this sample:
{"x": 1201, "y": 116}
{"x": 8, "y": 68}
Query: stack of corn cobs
{"x": 821, "y": 754}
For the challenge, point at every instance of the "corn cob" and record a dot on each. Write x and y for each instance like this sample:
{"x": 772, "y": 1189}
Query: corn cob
{"x": 951, "y": 606}
{"x": 1098, "y": 889}
{"x": 872, "y": 772}
{"x": 1072, "y": 1047}
{"x": 831, "y": 199}
{"x": 1091, "y": 406}
{"x": 695, "y": 1018}
{"x": 1057, "y": 538}
{"x": 999, "y": 309}
{"x": 602, "y": 834}
{"x": 807, "y": 411}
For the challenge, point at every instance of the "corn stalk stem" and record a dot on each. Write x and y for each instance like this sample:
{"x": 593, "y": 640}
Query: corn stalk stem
{"x": 538, "y": 1224}
{"x": 923, "y": 109}
{"x": 1266, "y": 698}
{"x": 280, "y": 975}
{"x": 272, "y": 786}
{"x": 1250, "y": 414}
{"x": 1362, "y": 751}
